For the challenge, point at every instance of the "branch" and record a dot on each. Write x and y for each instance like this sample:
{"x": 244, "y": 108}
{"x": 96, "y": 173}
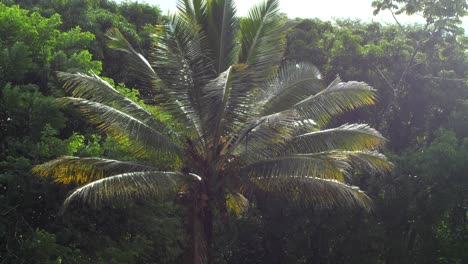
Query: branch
{"x": 401, "y": 27}
{"x": 9, "y": 210}
{"x": 386, "y": 80}
{"x": 442, "y": 78}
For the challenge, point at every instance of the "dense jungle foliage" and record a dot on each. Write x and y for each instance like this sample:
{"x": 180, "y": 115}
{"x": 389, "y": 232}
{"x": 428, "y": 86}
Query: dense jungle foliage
{"x": 420, "y": 209}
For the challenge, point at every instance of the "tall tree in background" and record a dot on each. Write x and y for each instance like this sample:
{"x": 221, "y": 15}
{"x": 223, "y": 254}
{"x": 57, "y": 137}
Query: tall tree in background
{"x": 432, "y": 41}
{"x": 249, "y": 126}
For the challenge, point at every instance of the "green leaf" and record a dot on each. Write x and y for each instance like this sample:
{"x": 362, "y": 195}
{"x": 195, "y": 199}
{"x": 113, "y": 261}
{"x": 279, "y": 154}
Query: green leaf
{"x": 350, "y": 137}
{"x": 300, "y": 165}
{"x": 127, "y": 186}
{"x": 293, "y": 83}
{"x": 262, "y": 42}
{"x": 222, "y": 31}
{"x": 216, "y": 95}
{"x": 92, "y": 87}
{"x": 337, "y": 98}
{"x": 124, "y": 127}
{"x": 368, "y": 161}
{"x": 313, "y": 192}
{"x": 68, "y": 169}
{"x": 137, "y": 64}
{"x": 236, "y": 203}
{"x": 182, "y": 63}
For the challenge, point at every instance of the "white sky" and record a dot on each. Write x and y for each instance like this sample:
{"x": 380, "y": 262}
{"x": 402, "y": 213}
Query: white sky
{"x": 324, "y": 10}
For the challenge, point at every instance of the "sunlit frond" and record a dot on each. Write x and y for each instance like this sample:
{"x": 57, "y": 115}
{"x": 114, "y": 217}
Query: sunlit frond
{"x": 262, "y": 42}
{"x": 262, "y": 134}
{"x": 335, "y": 99}
{"x": 265, "y": 137}
{"x": 68, "y": 169}
{"x": 368, "y": 161}
{"x": 93, "y": 88}
{"x": 237, "y": 203}
{"x": 293, "y": 83}
{"x": 126, "y": 186}
{"x": 314, "y": 192}
{"x": 300, "y": 165}
{"x": 350, "y": 137}
{"x": 123, "y": 127}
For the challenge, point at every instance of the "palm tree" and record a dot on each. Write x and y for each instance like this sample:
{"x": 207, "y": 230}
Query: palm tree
{"x": 249, "y": 125}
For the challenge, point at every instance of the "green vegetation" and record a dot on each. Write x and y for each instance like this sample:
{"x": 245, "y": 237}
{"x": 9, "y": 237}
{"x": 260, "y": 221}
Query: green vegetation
{"x": 229, "y": 146}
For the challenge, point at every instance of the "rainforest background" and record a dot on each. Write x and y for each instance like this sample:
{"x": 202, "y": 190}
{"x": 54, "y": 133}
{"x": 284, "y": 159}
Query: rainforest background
{"x": 420, "y": 210}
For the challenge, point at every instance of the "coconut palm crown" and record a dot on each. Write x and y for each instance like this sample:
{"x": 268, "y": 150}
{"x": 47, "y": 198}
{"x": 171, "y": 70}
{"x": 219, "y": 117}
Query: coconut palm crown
{"x": 251, "y": 124}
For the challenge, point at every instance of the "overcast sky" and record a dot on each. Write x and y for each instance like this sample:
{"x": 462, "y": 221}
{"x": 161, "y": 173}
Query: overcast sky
{"x": 325, "y": 9}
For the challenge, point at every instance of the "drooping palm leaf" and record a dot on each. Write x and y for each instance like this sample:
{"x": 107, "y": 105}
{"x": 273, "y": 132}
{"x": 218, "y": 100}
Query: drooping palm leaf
{"x": 263, "y": 136}
{"x": 93, "y": 88}
{"x": 293, "y": 83}
{"x": 300, "y": 165}
{"x": 350, "y": 137}
{"x": 368, "y": 161}
{"x": 127, "y": 186}
{"x": 124, "y": 127}
{"x": 335, "y": 99}
{"x": 237, "y": 203}
{"x": 137, "y": 65}
{"x": 68, "y": 169}
{"x": 313, "y": 192}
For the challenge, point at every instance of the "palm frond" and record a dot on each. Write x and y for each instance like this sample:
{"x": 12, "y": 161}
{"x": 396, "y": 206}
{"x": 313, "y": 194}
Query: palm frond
{"x": 262, "y": 42}
{"x": 228, "y": 104}
{"x": 236, "y": 203}
{"x": 313, "y": 192}
{"x": 195, "y": 9}
{"x": 335, "y": 99}
{"x": 300, "y": 165}
{"x": 264, "y": 137}
{"x": 137, "y": 63}
{"x": 124, "y": 127}
{"x": 93, "y": 88}
{"x": 261, "y": 129}
{"x": 127, "y": 186}
{"x": 293, "y": 83}
{"x": 368, "y": 161}
{"x": 350, "y": 137}
{"x": 180, "y": 57}
{"x": 241, "y": 106}
{"x": 68, "y": 169}
{"x": 222, "y": 30}
{"x": 215, "y": 100}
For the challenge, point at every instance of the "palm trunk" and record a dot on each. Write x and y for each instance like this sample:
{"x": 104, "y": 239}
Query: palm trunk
{"x": 201, "y": 231}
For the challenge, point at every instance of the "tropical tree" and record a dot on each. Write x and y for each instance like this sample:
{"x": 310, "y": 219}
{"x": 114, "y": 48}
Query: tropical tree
{"x": 248, "y": 125}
